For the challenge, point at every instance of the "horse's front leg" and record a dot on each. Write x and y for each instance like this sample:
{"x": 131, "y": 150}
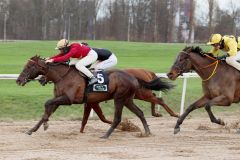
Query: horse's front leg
{"x": 198, "y": 104}
{"x": 219, "y": 101}
{"x": 50, "y": 108}
{"x": 117, "y": 117}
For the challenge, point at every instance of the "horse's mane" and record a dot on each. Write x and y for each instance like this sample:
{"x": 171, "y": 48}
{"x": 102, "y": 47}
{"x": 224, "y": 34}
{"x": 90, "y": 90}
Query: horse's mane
{"x": 197, "y": 50}
{"x": 37, "y": 57}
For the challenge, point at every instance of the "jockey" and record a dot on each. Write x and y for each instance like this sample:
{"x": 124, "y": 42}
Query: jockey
{"x": 81, "y": 56}
{"x": 230, "y": 45}
{"x": 106, "y": 59}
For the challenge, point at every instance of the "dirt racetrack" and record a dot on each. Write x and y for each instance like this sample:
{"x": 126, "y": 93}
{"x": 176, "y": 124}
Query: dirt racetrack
{"x": 198, "y": 139}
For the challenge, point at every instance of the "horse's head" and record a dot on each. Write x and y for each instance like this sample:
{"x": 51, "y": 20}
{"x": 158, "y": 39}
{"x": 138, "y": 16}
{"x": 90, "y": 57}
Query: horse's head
{"x": 35, "y": 66}
{"x": 181, "y": 65}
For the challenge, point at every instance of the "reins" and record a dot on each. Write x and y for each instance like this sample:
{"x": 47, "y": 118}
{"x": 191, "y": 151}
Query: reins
{"x": 59, "y": 77}
{"x": 214, "y": 70}
{"x": 216, "y": 62}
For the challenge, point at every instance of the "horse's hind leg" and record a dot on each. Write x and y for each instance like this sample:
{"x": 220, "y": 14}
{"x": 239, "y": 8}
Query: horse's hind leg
{"x": 117, "y": 117}
{"x": 165, "y": 106}
{"x": 153, "y": 109}
{"x": 87, "y": 110}
{"x": 151, "y": 97}
{"x": 132, "y": 107}
{"x": 100, "y": 114}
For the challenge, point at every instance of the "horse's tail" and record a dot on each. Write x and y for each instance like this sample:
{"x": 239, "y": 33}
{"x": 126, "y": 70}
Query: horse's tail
{"x": 156, "y": 84}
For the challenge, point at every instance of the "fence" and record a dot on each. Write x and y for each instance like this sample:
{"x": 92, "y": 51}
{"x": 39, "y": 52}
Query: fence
{"x": 185, "y": 76}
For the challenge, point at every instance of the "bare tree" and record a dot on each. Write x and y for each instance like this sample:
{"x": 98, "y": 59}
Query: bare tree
{"x": 234, "y": 13}
{"x": 4, "y": 11}
{"x": 97, "y": 4}
{"x": 211, "y": 4}
{"x": 191, "y": 22}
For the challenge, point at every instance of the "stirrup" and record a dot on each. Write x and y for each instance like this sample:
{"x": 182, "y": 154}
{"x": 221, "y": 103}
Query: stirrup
{"x": 92, "y": 81}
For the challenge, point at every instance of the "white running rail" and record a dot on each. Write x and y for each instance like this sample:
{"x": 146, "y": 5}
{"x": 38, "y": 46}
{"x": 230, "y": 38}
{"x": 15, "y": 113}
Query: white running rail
{"x": 185, "y": 76}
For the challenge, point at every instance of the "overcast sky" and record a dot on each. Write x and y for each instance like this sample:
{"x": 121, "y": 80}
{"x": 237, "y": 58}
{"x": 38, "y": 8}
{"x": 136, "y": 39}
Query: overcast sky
{"x": 202, "y": 8}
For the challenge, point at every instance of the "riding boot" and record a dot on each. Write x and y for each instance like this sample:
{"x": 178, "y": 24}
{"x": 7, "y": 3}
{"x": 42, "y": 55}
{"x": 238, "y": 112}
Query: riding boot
{"x": 92, "y": 80}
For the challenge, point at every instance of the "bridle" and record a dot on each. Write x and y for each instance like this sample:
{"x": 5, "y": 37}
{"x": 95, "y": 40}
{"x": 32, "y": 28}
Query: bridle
{"x": 46, "y": 68}
{"x": 216, "y": 62}
{"x": 179, "y": 68}
{"x": 26, "y": 74}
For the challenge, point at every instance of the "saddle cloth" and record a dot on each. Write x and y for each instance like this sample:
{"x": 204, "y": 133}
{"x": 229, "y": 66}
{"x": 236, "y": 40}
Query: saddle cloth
{"x": 102, "y": 83}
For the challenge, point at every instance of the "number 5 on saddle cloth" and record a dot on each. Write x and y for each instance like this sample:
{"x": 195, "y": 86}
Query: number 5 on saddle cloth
{"x": 102, "y": 83}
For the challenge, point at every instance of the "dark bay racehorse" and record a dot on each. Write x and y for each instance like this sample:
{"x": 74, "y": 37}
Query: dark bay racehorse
{"x": 141, "y": 94}
{"x": 220, "y": 82}
{"x": 69, "y": 87}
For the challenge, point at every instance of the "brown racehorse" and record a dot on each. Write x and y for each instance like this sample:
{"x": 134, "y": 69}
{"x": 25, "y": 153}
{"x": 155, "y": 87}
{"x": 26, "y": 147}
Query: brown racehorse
{"x": 141, "y": 94}
{"x": 220, "y": 82}
{"x": 69, "y": 87}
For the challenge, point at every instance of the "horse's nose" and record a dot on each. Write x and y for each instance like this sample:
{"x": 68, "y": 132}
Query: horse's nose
{"x": 170, "y": 75}
{"x": 18, "y": 81}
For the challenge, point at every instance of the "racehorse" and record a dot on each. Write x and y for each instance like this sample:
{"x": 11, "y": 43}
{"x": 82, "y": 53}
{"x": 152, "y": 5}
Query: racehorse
{"x": 141, "y": 94}
{"x": 69, "y": 88}
{"x": 220, "y": 82}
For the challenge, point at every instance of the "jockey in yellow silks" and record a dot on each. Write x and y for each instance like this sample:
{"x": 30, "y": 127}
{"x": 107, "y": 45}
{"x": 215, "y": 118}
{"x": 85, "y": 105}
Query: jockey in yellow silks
{"x": 228, "y": 44}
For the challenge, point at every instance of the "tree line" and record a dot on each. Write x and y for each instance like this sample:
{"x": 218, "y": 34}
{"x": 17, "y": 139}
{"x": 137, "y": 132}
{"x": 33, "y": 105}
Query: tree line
{"x": 125, "y": 20}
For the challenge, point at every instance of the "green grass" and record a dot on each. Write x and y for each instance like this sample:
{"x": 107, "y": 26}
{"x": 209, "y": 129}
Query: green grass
{"x": 27, "y": 103}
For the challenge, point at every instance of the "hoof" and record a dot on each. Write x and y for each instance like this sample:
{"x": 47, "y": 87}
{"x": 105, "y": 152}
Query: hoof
{"x": 221, "y": 122}
{"x": 176, "y": 130}
{"x": 45, "y": 126}
{"x": 28, "y": 132}
{"x": 81, "y": 131}
{"x": 238, "y": 131}
{"x": 104, "y": 137}
{"x": 147, "y": 134}
{"x": 175, "y": 115}
{"x": 157, "y": 115}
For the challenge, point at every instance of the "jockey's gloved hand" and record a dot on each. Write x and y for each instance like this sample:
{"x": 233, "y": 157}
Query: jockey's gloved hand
{"x": 223, "y": 57}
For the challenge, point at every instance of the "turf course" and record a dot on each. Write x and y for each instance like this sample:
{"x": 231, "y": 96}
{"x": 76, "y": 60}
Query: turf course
{"x": 25, "y": 103}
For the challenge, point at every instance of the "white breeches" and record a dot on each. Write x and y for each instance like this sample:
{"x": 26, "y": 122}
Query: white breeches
{"x": 81, "y": 64}
{"x": 233, "y": 61}
{"x": 106, "y": 64}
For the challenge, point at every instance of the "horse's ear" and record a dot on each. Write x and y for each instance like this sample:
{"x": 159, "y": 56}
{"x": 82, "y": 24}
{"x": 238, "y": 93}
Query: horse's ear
{"x": 189, "y": 49}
